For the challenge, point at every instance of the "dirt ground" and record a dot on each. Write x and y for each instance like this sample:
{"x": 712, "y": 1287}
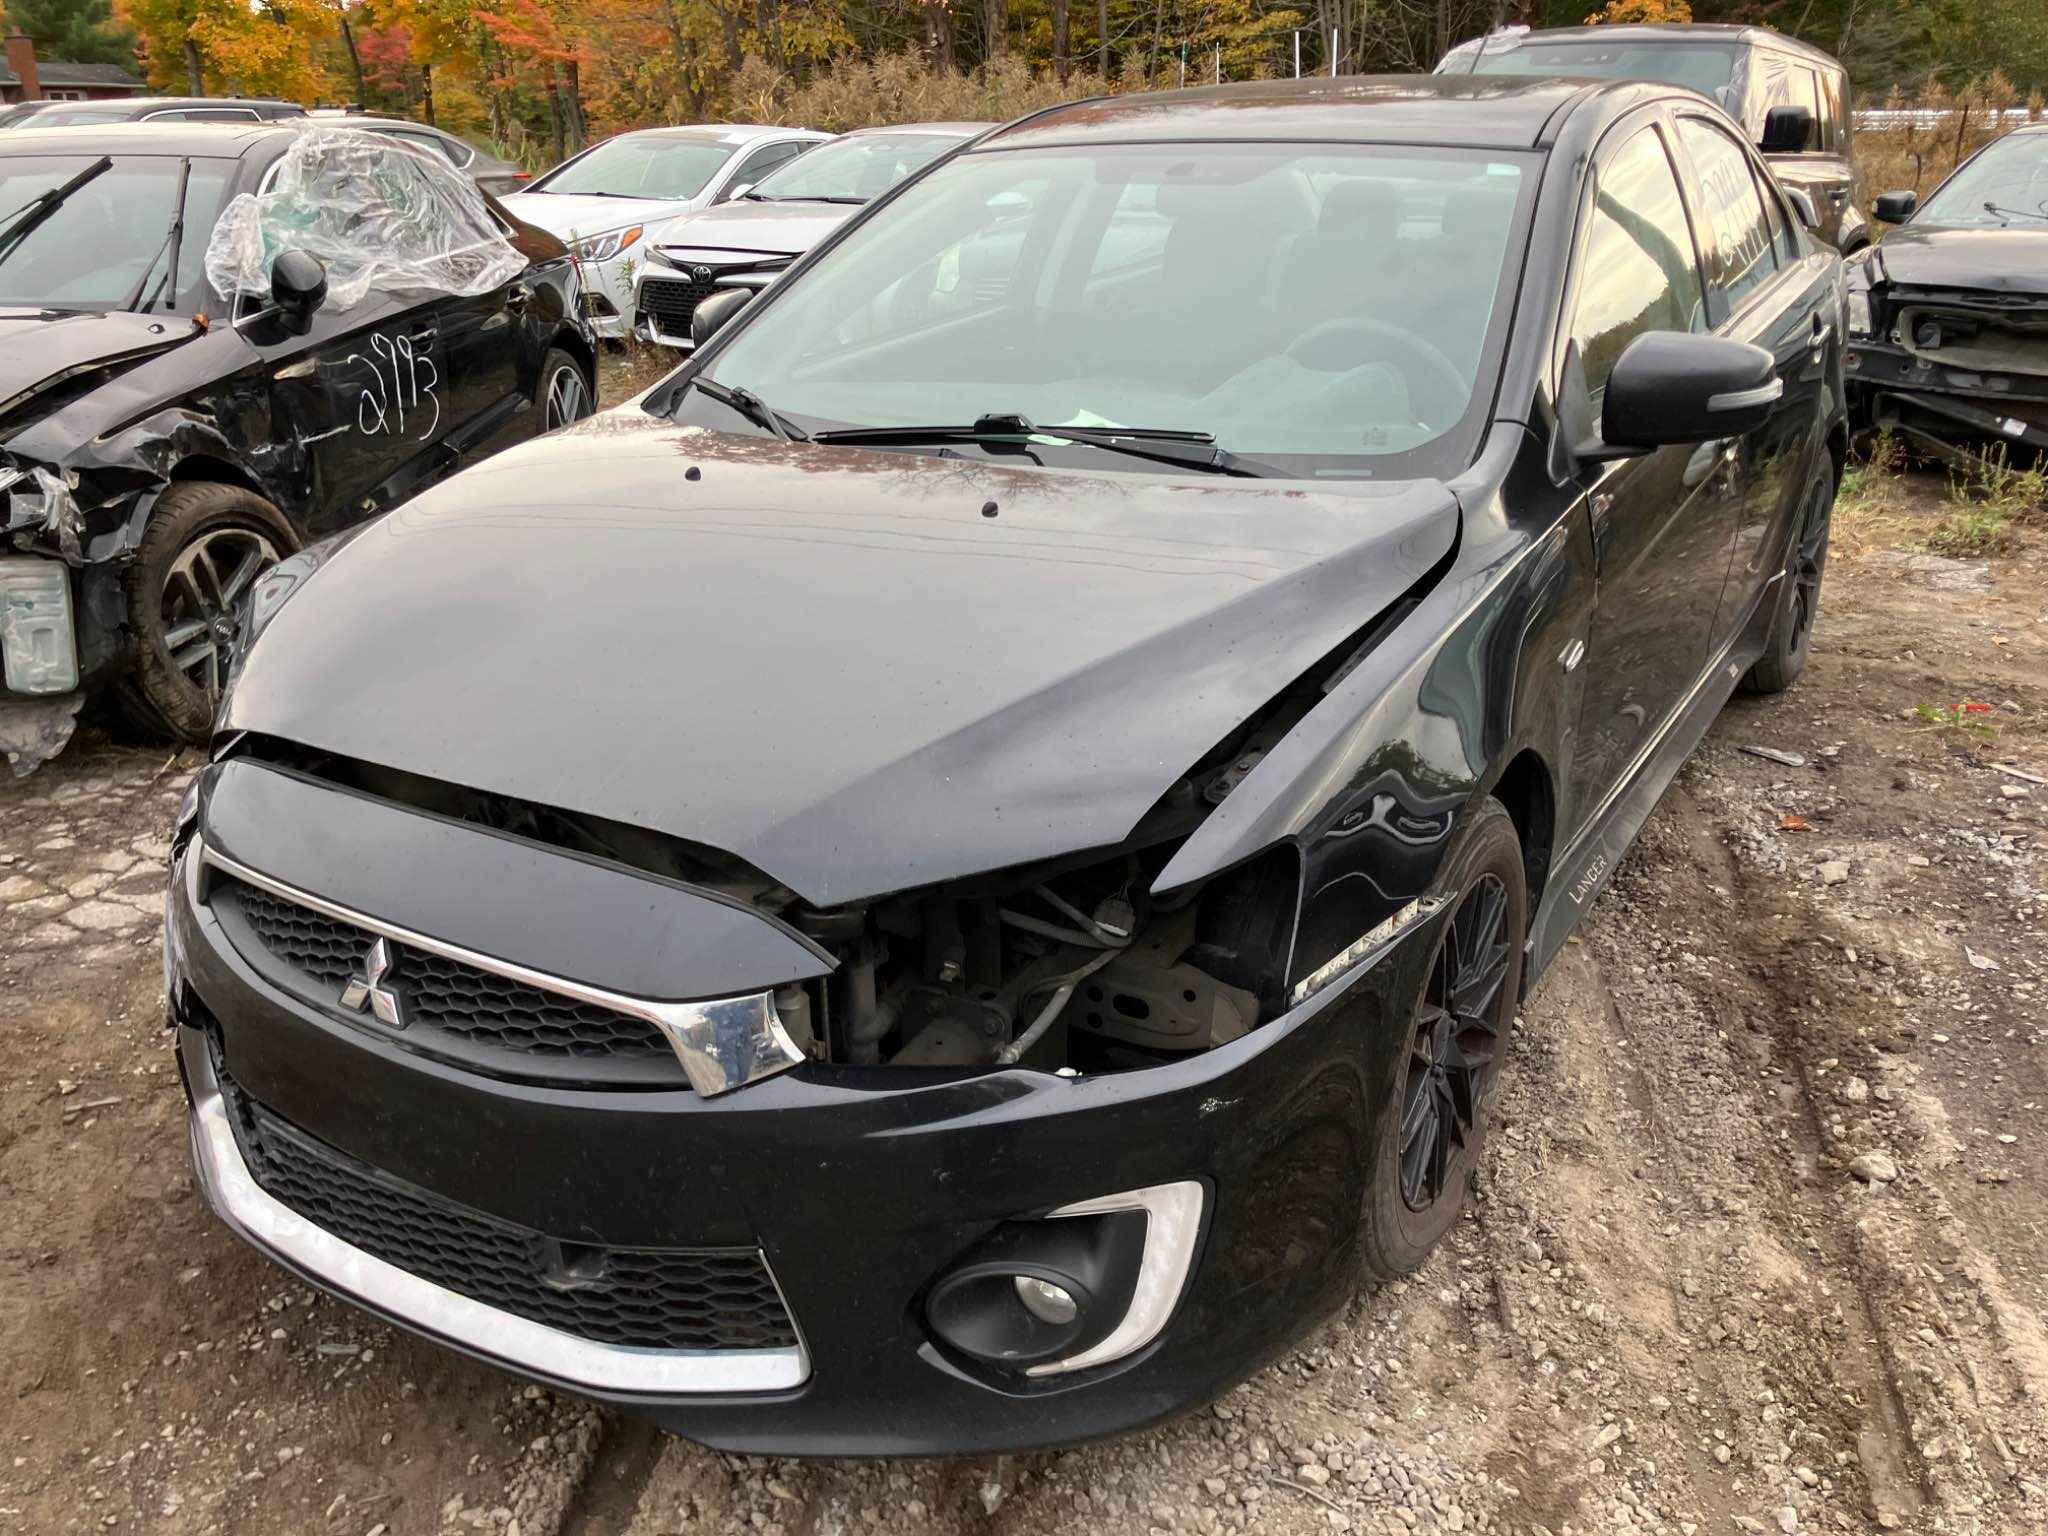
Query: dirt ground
{"x": 1761, "y": 1245}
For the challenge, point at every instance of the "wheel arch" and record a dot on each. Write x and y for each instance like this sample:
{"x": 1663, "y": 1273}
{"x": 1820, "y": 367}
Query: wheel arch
{"x": 572, "y": 341}
{"x": 220, "y": 471}
{"x": 1527, "y": 789}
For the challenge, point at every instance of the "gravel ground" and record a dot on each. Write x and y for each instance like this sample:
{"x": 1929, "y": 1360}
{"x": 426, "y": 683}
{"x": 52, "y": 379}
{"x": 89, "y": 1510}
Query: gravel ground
{"x": 1759, "y": 1246}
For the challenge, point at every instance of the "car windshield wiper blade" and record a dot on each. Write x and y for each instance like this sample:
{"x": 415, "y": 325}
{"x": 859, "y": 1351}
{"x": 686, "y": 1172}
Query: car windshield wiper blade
{"x": 22, "y": 222}
{"x": 173, "y": 238}
{"x": 1161, "y": 445}
{"x": 1998, "y": 210}
{"x": 751, "y": 406}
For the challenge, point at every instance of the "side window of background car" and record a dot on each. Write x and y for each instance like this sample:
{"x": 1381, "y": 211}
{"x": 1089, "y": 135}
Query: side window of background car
{"x": 1834, "y": 115}
{"x": 1744, "y": 257}
{"x": 1637, "y": 268}
{"x": 759, "y": 164}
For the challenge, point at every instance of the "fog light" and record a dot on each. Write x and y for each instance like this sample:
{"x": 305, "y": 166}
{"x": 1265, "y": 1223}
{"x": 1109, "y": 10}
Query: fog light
{"x": 1047, "y": 1302}
{"x": 37, "y": 648}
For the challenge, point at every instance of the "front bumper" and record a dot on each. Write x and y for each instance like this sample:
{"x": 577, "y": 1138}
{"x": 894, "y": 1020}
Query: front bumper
{"x": 858, "y": 1188}
{"x": 1892, "y": 388}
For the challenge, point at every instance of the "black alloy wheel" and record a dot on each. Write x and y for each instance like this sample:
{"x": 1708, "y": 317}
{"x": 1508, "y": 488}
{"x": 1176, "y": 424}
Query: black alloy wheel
{"x": 201, "y": 597}
{"x": 1791, "y": 637}
{"x": 1439, "y": 1062}
{"x": 564, "y": 394}
{"x": 1455, "y": 1047}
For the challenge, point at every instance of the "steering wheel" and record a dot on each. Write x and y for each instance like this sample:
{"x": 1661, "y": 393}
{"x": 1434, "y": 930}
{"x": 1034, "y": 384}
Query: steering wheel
{"x": 1437, "y": 391}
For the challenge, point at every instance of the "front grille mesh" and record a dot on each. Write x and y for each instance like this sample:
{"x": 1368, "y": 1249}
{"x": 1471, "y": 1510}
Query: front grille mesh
{"x": 670, "y": 1299}
{"x": 671, "y": 301}
{"x": 445, "y": 996}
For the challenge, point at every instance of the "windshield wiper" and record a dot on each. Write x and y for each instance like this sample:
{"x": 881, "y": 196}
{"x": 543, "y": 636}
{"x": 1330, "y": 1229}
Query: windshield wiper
{"x": 22, "y": 222}
{"x": 751, "y": 406}
{"x": 1161, "y": 445}
{"x": 1996, "y": 211}
{"x": 173, "y": 238}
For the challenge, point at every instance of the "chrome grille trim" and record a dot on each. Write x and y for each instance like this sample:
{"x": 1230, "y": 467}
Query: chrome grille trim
{"x": 723, "y": 1043}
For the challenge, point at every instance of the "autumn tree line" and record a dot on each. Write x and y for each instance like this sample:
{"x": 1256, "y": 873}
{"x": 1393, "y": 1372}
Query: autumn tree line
{"x": 539, "y": 78}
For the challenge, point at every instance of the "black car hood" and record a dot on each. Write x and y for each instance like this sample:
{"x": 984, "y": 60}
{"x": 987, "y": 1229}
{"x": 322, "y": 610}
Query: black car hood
{"x": 42, "y": 348}
{"x": 772, "y": 228}
{"x": 832, "y": 662}
{"x": 1990, "y": 260}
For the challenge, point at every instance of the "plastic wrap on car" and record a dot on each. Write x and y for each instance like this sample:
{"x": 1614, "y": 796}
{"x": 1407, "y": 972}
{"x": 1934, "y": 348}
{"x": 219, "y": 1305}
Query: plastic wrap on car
{"x": 39, "y": 500}
{"x": 382, "y": 217}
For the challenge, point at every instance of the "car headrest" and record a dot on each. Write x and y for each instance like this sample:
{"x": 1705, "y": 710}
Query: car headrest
{"x": 1360, "y": 206}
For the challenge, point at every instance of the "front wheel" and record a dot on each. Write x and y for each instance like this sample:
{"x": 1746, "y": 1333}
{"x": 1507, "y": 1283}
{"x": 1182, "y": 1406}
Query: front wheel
{"x": 564, "y": 391}
{"x": 1442, "y": 1086}
{"x": 1791, "y": 637}
{"x": 203, "y": 549}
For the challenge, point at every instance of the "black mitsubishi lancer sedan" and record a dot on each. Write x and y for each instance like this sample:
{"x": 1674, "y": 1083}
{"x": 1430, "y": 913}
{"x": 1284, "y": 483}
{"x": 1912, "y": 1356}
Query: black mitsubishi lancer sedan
{"x": 949, "y": 877}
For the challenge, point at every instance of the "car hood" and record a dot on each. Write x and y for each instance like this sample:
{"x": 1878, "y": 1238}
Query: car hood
{"x": 1992, "y": 260}
{"x": 565, "y": 215}
{"x": 40, "y": 349}
{"x": 837, "y": 663}
{"x": 775, "y": 228}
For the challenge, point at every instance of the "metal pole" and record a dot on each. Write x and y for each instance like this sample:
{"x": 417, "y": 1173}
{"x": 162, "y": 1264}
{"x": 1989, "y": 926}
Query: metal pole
{"x": 1297, "y": 53}
{"x": 1219, "y": 63}
{"x": 1333, "y": 53}
{"x": 1183, "y": 63}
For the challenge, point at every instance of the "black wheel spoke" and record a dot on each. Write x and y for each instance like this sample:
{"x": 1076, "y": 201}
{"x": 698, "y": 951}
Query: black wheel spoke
{"x": 198, "y": 603}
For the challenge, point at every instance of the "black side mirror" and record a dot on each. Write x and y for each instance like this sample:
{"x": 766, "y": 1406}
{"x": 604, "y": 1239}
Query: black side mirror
{"x": 710, "y": 316}
{"x": 1679, "y": 387}
{"x": 298, "y": 286}
{"x": 1895, "y": 207}
{"x": 1787, "y": 130}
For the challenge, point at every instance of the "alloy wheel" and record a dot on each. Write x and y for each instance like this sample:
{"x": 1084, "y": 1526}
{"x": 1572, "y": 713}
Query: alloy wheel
{"x": 568, "y": 400}
{"x": 1454, "y": 1049}
{"x": 1806, "y": 566}
{"x": 198, "y": 605}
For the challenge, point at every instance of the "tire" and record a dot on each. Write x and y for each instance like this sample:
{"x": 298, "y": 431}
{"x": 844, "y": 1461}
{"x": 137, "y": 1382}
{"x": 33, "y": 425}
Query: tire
{"x": 1437, "y": 1083}
{"x": 560, "y": 376}
{"x": 204, "y": 547}
{"x": 1791, "y": 637}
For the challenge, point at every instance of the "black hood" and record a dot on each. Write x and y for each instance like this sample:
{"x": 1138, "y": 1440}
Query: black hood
{"x": 1990, "y": 260}
{"x": 765, "y": 228}
{"x": 828, "y": 661}
{"x": 41, "y": 349}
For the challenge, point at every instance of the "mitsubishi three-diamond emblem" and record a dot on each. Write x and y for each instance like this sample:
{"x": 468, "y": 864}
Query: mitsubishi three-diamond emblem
{"x": 368, "y": 989}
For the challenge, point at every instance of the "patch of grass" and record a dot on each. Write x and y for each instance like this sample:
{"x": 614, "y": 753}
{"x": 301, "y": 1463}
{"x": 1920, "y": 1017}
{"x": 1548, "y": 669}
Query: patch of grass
{"x": 1984, "y": 502}
{"x": 1968, "y": 717}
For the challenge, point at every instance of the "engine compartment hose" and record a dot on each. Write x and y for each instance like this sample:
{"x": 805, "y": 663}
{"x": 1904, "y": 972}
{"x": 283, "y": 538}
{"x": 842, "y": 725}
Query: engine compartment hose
{"x": 1011, "y": 1053}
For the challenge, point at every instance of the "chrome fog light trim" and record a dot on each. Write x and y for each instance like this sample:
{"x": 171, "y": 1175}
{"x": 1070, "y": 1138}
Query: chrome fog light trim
{"x": 723, "y": 1043}
{"x": 1173, "y": 1223}
{"x": 497, "y": 1335}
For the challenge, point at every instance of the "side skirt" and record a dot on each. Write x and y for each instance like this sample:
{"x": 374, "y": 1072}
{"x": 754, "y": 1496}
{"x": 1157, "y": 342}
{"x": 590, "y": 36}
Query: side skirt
{"x": 1589, "y": 861}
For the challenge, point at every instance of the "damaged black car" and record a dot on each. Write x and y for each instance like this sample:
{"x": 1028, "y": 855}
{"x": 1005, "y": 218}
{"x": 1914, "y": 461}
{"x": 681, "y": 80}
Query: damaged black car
{"x": 947, "y": 878}
{"x": 1948, "y": 314}
{"x": 216, "y": 343}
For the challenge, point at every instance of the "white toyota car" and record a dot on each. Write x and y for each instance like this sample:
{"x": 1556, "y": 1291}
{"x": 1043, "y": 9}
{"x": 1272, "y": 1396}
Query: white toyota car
{"x": 613, "y": 199}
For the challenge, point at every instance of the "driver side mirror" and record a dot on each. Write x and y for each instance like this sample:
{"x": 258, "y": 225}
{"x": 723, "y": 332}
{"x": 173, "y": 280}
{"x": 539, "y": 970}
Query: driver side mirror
{"x": 736, "y": 191}
{"x": 298, "y": 287}
{"x": 1787, "y": 130}
{"x": 1680, "y": 387}
{"x": 1895, "y": 207}
{"x": 710, "y": 316}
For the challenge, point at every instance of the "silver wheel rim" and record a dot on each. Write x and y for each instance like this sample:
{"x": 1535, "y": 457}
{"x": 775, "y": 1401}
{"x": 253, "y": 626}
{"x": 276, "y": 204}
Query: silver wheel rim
{"x": 567, "y": 399}
{"x": 197, "y": 607}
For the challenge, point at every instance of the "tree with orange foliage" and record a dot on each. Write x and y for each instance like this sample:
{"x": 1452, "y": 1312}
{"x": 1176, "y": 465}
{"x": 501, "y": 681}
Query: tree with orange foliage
{"x": 1620, "y": 12}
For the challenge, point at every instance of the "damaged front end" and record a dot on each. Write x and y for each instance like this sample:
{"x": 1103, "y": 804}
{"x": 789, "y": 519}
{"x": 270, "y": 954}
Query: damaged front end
{"x": 1958, "y": 373}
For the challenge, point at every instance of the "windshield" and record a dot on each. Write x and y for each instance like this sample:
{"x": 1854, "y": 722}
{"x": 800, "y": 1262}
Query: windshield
{"x": 854, "y": 169}
{"x": 641, "y": 165}
{"x": 1329, "y": 310}
{"x": 2005, "y": 184}
{"x": 93, "y": 251}
{"x": 1708, "y": 69}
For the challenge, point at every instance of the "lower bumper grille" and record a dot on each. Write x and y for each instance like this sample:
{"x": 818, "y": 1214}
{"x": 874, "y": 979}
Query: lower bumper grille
{"x": 662, "y": 1299}
{"x": 671, "y": 301}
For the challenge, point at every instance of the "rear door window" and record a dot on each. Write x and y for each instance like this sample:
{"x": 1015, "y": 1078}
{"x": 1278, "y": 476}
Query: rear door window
{"x": 1744, "y": 257}
{"x": 1638, "y": 269}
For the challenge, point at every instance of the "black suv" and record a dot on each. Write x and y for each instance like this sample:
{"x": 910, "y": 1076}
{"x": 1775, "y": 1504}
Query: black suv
{"x": 1792, "y": 98}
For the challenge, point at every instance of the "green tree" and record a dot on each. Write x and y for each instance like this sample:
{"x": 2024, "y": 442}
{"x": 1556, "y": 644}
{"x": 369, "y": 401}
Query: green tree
{"x": 75, "y": 31}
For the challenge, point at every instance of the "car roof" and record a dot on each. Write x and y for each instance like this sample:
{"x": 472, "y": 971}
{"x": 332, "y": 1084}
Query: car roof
{"x": 723, "y": 133}
{"x": 1667, "y": 33}
{"x": 1475, "y": 111}
{"x": 225, "y": 140}
{"x": 949, "y": 130}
